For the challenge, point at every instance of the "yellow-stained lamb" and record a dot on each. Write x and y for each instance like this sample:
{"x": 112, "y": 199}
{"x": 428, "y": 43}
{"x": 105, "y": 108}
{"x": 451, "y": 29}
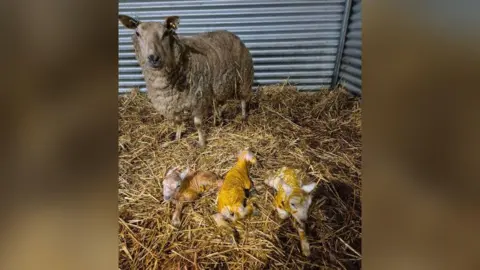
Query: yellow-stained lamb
{"x": 187, "y": 187}
{"x": 233, "y": 201}
{"x": 293, "y": 197}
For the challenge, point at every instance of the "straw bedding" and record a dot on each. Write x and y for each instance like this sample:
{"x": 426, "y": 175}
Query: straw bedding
{"x": 320, "y": 133}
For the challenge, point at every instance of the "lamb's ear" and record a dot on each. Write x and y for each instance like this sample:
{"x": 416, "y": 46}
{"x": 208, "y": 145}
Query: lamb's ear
{"x": 184, "y": 173}
{"x": 128, "y": 21}
{"x": 308, "y": 188}
{"x": 172, "y": 170}
{"x": 171, "y": 22}
{"x": 286, "y": 188}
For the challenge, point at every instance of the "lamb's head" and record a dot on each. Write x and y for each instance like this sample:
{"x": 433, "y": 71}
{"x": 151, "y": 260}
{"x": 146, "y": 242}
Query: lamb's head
{"x": 298, "y": 199}
{"x": 172, "y": 182}
{"x": 248, "y": 156}
{"x": 156, "y": 43}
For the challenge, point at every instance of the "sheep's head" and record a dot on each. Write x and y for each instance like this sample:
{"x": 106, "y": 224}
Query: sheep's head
{"x": 172, "y": 182}
{"x": 157, "y": 44}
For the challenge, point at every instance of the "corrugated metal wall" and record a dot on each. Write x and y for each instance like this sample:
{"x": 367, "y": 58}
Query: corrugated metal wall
{"x": 351, "y": 67}
{"x": 294, "y": 40}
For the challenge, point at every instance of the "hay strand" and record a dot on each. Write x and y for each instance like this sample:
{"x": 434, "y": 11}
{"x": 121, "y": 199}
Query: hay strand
{"x": 319, "y": 132}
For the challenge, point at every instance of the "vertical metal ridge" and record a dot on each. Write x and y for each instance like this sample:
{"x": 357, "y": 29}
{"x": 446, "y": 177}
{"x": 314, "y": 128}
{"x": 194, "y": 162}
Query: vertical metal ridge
{"x": 341, "y": 43}
{"x": 351, "y": 62}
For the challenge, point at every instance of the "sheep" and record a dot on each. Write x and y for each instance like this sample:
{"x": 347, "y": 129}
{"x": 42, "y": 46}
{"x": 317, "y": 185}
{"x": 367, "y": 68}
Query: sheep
{"x": 183, "y": 187}
{"x": 188, "y": 77}
{"x": 293, "y": 197}
{"x": 234, "y": 201}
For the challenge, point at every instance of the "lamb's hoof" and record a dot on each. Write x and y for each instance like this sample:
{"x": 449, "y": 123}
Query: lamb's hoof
{"x": 166, "y": 144}
{"x": 306, "y": 249}
{"x": 235, "y": 237}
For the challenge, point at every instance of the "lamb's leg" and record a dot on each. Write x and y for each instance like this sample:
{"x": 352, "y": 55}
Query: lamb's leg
{"x": 220, "y": 221}
{"x": 197, "y": 120}
{"x": 303, "y": 239}
{"x": 272, "y": 181}
{"x": 223, "y": 224}
{"x": 176, "y": 215}
{"x": 244, "y": 212}
{"x": 243, "y": 103}
{"x": 282, "y": 214}
{"x": 251, "y": 209}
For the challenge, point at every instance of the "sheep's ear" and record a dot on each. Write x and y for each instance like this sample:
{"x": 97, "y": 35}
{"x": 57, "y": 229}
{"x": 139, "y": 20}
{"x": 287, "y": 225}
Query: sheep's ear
{"x": 171, "y": 22}
{"x": 184, "y": 173}
{"x": 308, "y": 188}
{"x": 128, "y": 21}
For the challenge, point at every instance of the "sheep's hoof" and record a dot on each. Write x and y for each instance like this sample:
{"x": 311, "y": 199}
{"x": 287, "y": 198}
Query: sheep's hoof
{"x": 176, "y": 223}
{"x": 256, "y": 212}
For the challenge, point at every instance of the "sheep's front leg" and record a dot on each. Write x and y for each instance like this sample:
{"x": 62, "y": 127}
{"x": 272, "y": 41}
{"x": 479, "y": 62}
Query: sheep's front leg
{"x": 303, "y": 239}
{"x": 178, "y": 134}
{"x": 244, "y": 109}
{"x": 178, "y": 125}
{"x": 219, "y": 114}
{"x": 222, "y": 111}
{"x": 198, "y": 121}
{"x": 176, "y": 215}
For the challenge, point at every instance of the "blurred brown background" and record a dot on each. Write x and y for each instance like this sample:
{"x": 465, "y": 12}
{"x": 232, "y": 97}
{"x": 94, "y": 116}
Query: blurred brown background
{"x": 58, "y": 106}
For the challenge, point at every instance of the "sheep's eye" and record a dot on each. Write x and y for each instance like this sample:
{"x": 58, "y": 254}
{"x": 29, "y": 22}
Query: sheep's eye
{"x": 293, "y": 205}
{"x": 136, "y": 33}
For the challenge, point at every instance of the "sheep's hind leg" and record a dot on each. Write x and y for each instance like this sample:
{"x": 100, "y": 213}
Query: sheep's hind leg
{"x": 197, "y": 120}
{"x": 178, "y": 125}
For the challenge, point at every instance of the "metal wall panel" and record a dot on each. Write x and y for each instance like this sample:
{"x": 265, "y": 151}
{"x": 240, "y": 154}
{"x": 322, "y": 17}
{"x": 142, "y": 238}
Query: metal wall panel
{"x": 294, "y": 40}
{"x": 351, "y": 67}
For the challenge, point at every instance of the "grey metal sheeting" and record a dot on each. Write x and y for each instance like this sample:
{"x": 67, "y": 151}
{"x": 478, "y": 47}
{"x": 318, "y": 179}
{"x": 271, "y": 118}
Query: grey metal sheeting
{"x": 351, "y": 68}
{"x": 294, "y": 40}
